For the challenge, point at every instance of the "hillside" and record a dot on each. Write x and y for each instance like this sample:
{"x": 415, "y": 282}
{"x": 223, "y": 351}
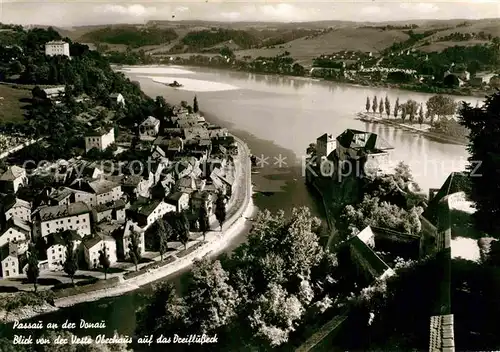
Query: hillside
{"x": 304, "y": 40}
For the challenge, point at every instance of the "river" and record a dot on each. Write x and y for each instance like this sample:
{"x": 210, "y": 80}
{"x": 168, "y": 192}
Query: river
{"x": 278, "y": 117}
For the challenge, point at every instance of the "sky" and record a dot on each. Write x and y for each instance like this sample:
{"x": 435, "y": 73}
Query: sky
{"x": 89, "y": 12}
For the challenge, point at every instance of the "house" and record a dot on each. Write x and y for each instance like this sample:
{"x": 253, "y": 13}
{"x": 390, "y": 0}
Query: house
{"x": 61, "y": 196}
{"x": 367, "y": 262}
{"x": 54, "y": 93}
{"x": 359, "y": 150}
{"x": 96, "y": 192}
{"x": 179, "y": 200}
{"x": 100, "y": 139}
{"x": 149, "y": 129}
{"x": 325, "y": 144}
{"x": 75, "y": 216}
{"x": 216, "y": 131}
{"x": 123, "y": 239}
{"x": 157, "y": 152}
{"x": 12, "y": 179}
{"x": 56, "y": 248}
{"x": 186, "y": 185}
{"x": 94, "y": 245}
{"x": 133, "y": 185}
{"x": 12, "y": 261}
{"x": 117, "y": 99}
{"x": 16, "y": 229}
{"x": 203, "y": 199}
{"x": 113, "y": 210}
{"x": 480, "y": 79}
{"x": 145, "y": 212}
{"x": 57, "y": 47}
{"x": 17, "y": 207}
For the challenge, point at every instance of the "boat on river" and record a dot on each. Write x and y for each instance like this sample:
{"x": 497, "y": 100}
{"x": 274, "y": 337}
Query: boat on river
{"x": 174, "y": 84}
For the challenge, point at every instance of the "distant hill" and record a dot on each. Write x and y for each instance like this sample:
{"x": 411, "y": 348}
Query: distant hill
{"x": 130, "y": 35}
{"x": 304, "y": 40}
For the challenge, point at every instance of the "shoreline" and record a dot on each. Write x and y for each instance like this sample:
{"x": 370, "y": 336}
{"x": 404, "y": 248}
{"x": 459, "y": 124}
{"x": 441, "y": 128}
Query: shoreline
{"x": 371, "y": 118}
{"x": 403, "y": 87}
{"x": 216, "y": 242}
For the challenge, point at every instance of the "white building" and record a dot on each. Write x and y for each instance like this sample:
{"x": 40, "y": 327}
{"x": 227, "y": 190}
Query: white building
{"x": 18, "y": 208}
{"x": 117, "y": 98}
{"x": 149, "y": 129}
{"x": 99, "y": 139}
{"x": 110, "y": 211}
{"x": 57, "y": 47}
{"x": 56, "y": 248}
{"x": 96, "y": 192}
{"x": 12, "y": 179}
{"x": 146, "y": 214}
{"x": 15, "y": 230}
{"x": 75, "y": 216}
{"x": 179, "y": 200}
{"x": 94, "y": 245}
{"x": 13, "y": 259}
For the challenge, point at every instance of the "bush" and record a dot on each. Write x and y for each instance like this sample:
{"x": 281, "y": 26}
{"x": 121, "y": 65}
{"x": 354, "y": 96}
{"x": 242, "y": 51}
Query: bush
{"x": 86, "y": 288}
{"x": 23, "y": 299}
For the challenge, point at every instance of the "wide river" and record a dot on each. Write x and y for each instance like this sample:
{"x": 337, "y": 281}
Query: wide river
{"x": 278, "y": 117}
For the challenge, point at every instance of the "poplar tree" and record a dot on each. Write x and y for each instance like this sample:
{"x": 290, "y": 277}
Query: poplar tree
{"x": 387, "y": 107}
{"x": 396, "y": 108}
{"x": 375, "y": 104}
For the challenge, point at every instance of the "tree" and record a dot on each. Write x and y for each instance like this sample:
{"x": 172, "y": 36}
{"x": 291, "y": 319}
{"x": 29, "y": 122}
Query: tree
{"x": 104, "y": 261}
{"x": 165, "y": 314}
{"x": 33, "y": 269}
{"x": 204, "y": 221}
{"x": 403, "y": 113}
{"x": 387, "y": 107}
{"x": 441, "y": 106}
{"x": 396, "y": 108}
{"x": 374, "y": 104}
{"x": 71, "y": 262}
{"x": 195, "y": 104}
{"x": 134, "y": 248}
{"x": 429, "y": 117}
{"x": 182, "y": 228}
{"x": 220, "y": 210}
{"x": 368, "y": 104}
{"x": 311, "y": 149}
{"x": 381, "y": 107}
{"x": 421, "y": 115}
{"x": 212, "y": 300}
{"x": 484, "y": 160}
{"x": 411, "y": 107}
{"x": 164, "y": 232}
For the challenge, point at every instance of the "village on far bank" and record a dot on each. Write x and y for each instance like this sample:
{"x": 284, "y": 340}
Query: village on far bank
{"x": 102, "y": 214}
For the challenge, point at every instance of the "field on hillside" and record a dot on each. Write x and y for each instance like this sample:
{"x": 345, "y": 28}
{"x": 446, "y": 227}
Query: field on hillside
{"x": 13, "y": 101}
{"x": 306, "y": 49}
{"x": 440, "y": 46}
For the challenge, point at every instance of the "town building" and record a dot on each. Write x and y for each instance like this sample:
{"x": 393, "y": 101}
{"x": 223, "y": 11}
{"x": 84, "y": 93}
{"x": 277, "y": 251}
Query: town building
{"x": 149, "y": 129}
{"x": 56, "y": 248}
{"x": 110, "y": 211}
{"x": 145, "y": 212}
{"x": 179, "y": 200}
{"x": 12, "y": 179}
{"x": 100, "y": 139}
{"x": 16, "y": 207}
{"x": 75, "y": 216}
{"x": 117, "y": 99}
{"x": 96, "y": 192}
{"x": 57, "y": 47}
{"x": 13, "y": 260}
{"x": 54, "y": 93}
{"x": 94, "y": 245}
{"x": 16, "y": 229}
{"x": 123, "y": 239}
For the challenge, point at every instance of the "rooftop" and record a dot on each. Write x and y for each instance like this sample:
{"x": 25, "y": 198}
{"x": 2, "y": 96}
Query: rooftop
{"x": 13, "y": 173}
{"x": 62, "y": 211}
{"x": 150, "y": 121}
{"x": 119, "y": 204}
{"x": 368, "y": 141}
{"x": 103, "y": 186}
{"x": 93, "y": 241}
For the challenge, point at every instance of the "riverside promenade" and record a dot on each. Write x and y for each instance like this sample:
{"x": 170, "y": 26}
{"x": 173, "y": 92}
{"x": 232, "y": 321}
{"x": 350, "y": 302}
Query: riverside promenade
{"x": 239, "y": 208}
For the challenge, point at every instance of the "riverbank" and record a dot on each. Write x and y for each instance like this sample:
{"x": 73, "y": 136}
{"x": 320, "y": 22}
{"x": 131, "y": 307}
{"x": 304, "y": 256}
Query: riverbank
{"x": 424, "y": 131}
{"x": 474, "y": 92}
{"x": 241, "y": 206}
